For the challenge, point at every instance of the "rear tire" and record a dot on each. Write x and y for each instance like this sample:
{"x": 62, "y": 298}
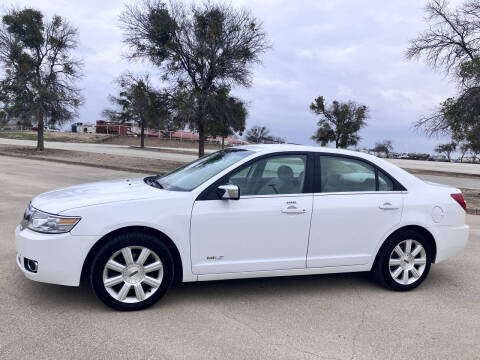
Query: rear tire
{"x": 132, "y": 271}
{"x": 404, "y": 261}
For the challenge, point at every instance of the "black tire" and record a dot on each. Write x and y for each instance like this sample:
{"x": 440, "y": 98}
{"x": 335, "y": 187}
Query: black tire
{"x": 117, "y": 243}
{"x": 381, "y": 267}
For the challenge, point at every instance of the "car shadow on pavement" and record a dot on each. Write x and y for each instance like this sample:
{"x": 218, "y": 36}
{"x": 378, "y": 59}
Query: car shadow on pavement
{"x": 262, "y": 289}
{"x": 49, "y": 297}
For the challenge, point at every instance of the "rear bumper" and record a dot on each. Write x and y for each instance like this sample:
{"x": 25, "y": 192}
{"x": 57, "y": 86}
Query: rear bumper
{"x": 450, "y": 241}
{"x": 60, "y": 257}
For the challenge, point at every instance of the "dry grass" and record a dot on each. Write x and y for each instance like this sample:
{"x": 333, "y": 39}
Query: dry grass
{"x": 56, "y": 136}
{"x": 472, "y": 197}
{"x": 117, "y": 162}
{"x": 152, "y": 141}
{"x": 104, "y": 138}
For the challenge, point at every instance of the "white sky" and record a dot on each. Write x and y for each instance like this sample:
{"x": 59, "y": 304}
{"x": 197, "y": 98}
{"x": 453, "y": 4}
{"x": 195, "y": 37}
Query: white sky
{"x": 341, "y": 49}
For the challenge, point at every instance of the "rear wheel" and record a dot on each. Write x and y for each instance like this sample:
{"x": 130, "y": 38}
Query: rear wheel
{"x": 404, "y": 261}
{"x": 132, "y": 271}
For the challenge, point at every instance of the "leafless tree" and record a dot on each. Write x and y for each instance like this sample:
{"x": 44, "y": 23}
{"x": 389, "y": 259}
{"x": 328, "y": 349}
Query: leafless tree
{"x": 451, "y": 43}
{"x": 452, "y": 37}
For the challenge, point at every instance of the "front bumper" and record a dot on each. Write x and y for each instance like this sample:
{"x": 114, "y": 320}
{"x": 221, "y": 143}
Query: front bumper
{"x": 451, "y": 240}
{"x": 60, "y": 257}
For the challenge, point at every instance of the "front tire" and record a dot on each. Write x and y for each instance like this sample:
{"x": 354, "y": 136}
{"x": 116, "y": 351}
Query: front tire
{"x": 132, "y": 271}
{"x": 404, "y": 261}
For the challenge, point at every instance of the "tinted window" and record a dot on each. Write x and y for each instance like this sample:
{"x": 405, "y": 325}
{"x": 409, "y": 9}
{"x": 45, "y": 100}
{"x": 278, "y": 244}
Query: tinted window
{"x": 341, "y": 174}
{"x": 384, "y": 182}
{"x": 273, "y": 175}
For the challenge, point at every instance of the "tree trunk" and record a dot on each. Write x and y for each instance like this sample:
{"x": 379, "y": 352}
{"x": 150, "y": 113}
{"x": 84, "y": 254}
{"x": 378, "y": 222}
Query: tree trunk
{"x": 223, "y": 141}
{"x": 201, "y": 139}
{"x": 40, "y": 142}
{"x": 142, "y": 134}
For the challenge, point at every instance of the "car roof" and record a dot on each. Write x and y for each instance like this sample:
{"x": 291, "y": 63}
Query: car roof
{"x": 293, "y": 147}
{"x": 406, "y": 179}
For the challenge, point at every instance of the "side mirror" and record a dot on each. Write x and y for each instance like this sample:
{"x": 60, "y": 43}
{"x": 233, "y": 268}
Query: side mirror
{"x": 229, "y": 192}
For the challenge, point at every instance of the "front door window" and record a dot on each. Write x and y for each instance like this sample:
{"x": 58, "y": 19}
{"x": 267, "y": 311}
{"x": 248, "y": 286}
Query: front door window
{"x": 271, "y": 176}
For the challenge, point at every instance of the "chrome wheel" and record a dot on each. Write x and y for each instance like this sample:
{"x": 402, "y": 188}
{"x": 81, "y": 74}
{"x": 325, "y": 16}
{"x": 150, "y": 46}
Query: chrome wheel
{"x": 407, "y": 262}
{"x": 133, "y": 274}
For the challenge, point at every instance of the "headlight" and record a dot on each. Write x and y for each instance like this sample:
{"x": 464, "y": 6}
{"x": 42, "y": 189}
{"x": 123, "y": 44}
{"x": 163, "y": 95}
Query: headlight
{"x": 37, "y": 220}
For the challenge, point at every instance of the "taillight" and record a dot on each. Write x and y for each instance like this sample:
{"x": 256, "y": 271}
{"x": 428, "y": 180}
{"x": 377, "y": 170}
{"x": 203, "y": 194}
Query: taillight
{"x": 460, "y": 200}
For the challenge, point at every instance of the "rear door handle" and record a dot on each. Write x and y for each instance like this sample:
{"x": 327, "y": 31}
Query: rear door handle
{"x": 292, "y": 209}
{"x": 389, "y": 206}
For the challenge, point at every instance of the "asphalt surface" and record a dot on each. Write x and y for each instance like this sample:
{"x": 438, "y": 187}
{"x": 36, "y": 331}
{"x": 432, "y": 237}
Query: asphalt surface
{"x": 343, "y": 316}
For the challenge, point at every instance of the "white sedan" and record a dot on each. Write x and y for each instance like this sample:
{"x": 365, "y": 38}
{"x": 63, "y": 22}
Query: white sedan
{"x": 250, "y": 211}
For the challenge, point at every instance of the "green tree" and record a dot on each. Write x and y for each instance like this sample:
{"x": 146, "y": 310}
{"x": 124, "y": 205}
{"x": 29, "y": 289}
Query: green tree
{"x": 385, "y": 146}
{"x": 140, "y": 103}
{"x": 473, "y": 141}
{"x": 204, "y": 46}
{"x": 339, "y": 123}
{"x": 228, "y": 114}
{"x": 446, "y": 149}
{"x": 40, "y": 71}
{"x": 464, "y": 148}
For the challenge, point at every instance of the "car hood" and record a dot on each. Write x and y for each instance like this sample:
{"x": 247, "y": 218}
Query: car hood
{"x": 103, "y": 192}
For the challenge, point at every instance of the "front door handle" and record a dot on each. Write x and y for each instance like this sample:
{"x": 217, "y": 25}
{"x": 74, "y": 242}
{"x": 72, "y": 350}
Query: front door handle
{"x": 292, "y": 209}
{"x": 389, "y": 206}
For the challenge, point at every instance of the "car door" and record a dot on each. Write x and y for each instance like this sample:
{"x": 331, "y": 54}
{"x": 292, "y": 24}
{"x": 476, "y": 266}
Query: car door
{"x": 355, "y": 206}
{"x": 266, "y": 229}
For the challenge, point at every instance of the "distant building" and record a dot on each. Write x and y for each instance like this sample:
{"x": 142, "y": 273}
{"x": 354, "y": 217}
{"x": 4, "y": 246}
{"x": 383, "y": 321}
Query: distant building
{"x": 113, "y": 127}
{"x": 80, "y": 127}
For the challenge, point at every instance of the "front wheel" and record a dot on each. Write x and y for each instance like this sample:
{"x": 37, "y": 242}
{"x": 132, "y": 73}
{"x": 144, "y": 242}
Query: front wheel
{"x": 404, "y": 261}
{"x": 132, "y": 271}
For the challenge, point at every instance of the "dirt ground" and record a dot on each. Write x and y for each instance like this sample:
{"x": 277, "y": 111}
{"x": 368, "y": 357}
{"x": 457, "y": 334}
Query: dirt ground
{"x": 56, "y": 136}
{"x": 472, "y": 197}
{"x": 152, "y": 141}
{"x": 104, "y": 138}
{"x": 115, "y": 162}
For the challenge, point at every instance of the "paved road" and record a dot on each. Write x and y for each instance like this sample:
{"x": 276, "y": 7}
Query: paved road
{"x": 318, "y": 317}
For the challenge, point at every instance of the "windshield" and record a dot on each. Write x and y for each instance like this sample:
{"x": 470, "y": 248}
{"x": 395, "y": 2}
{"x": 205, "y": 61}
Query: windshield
{"x": 196, "y": 173}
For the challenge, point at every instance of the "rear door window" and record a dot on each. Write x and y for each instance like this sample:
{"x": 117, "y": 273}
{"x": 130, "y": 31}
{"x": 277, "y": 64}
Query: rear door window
{"x": 341, "y": 174}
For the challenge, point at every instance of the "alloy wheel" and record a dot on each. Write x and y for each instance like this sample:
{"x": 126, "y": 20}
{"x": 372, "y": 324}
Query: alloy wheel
{"x": 407, "y": 262}
{"x": 133, "y": 274}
